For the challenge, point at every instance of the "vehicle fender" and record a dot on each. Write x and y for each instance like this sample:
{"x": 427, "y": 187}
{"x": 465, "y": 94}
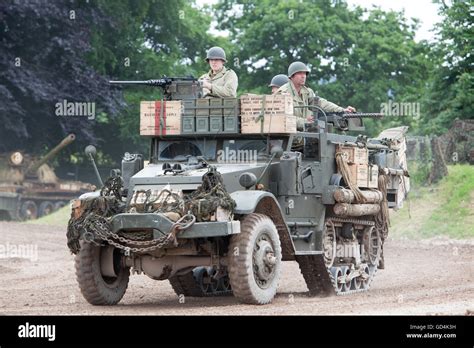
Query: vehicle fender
{"x": 263, "y": 202}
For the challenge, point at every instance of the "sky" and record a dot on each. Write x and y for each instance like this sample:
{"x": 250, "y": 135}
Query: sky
{"x": 424, "y": 10}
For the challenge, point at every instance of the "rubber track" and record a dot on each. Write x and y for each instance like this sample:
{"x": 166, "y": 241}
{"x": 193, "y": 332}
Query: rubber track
{"x": 187, "y": 285}
{"x": 319, "y": 279}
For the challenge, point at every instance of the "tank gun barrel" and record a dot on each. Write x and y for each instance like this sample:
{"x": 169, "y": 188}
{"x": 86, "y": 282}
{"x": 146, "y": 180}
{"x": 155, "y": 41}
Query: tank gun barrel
{"x": 65, "y": 142}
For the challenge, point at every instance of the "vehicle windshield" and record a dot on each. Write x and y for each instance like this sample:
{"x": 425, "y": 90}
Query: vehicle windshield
{"x": 180, "y": 150}
{"x": 256, "y": 148}
{"x": 212, "y": 150}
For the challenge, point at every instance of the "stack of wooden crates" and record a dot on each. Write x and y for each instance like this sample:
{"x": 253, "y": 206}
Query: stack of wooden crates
{"x": 362, "y": 173}
{"x": 267, "y": 114}
{"x": 256, "y": 113}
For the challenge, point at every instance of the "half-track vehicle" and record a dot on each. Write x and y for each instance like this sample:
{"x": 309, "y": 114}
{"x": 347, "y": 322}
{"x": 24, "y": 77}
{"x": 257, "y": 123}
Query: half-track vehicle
{"x": 216, "y": 213}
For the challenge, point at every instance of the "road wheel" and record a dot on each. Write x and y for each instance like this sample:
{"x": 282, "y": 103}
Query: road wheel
{"x": 28, "y": 210}
{"x": 46, "y": 208}
{"x": 59, "y": 205}
{"x": 372, "y": 245}
{"x": 96, "y": 288}
{"x": 186, "y": 284}
{"x": 255, "y": 260}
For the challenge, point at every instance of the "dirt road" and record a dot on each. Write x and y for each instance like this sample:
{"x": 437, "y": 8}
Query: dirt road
{"x": 424, "y": 277}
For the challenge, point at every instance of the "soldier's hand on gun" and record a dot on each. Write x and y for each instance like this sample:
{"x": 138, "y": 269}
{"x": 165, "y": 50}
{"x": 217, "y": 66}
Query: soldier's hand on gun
{"x": 350, "y": 109}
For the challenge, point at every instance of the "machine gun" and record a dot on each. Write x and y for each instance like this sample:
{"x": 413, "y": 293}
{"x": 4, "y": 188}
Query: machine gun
{"x": 342, "y": 121}
{"x": 174, "y": 88}
{"x": 350, "y": 121}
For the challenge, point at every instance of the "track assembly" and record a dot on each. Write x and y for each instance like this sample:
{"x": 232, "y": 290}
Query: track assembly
{"x": 325, "y": 275}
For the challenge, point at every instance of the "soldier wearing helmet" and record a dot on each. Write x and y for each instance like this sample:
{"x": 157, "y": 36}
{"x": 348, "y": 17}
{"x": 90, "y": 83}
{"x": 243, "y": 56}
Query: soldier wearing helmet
{"x": 219, "y": 82}
{"x": 278, "y": 81}
{"x": 302, "y": 95}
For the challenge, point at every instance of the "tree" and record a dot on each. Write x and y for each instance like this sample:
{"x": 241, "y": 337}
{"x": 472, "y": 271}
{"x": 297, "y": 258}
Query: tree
{"x": 451, "y": 88}
{"x": 356, "y": 56}
{"x": 145, "y": 40}
{"x": 56, "y": 51}
{"x": 42, "y": 63}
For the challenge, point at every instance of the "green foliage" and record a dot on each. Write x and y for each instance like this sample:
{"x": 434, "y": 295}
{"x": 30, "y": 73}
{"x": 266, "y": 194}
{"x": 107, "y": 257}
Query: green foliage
{"x": 145, "y": 40}
{"x": 443, "y": 209}
{"x": 356, "y": 56}
{"x": 419, "y": 172}
{"x": 450, "y": 91}
{"x": 455, "y": 216}
{"x": 58, "y": 218}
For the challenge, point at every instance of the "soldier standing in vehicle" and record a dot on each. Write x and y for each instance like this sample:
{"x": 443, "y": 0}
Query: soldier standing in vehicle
{"x": 219, "y": 82}
{"x": 278, "y": 81}
{"x": 302, "y": 95}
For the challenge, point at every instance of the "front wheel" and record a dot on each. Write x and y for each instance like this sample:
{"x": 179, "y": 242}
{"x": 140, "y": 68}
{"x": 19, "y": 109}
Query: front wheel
{"x": 255, "y": 260}
{"x": 97, "y": 288}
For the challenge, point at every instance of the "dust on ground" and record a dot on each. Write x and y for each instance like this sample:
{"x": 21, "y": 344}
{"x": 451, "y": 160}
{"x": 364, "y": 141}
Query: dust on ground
{"x": 421, "y": 277}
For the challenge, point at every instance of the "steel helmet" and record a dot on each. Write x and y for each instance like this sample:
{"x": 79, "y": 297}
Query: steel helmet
{"x": 297, "y": 67}
{"x": 278, "y": 80}
{"x": 216, "y": 53}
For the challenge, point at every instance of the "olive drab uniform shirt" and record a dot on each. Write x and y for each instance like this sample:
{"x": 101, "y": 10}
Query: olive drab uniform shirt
{"x": 302, "y": 99}
{"x": 224, "y": 84}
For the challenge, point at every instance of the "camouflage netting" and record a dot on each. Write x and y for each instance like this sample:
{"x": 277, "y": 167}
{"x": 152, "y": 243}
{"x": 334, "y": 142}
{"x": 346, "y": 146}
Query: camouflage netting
{"x": 204, "y": 204}
{"x": 91, "y": 208}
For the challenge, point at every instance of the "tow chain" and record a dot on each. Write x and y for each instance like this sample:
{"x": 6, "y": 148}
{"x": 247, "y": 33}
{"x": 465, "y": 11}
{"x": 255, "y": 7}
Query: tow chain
{"x": 99, "y": 226}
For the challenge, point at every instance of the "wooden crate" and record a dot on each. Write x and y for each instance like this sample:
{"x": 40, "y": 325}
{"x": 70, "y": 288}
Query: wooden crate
{"x": 354, "y": 154}
{"x": 160, "y": 117}
{"x": 373, "y": 178}
{"x": 279, "y": 124}
{"x": 275, "y": 104}
{"x": 359, "y": 174}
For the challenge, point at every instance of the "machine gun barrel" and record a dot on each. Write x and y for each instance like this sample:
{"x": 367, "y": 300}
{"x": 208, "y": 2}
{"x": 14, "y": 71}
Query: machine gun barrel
{"x": 164, "y": 81}
{"x": 155, "y": 83}
{"x": 362, "y": 114}
{"x": 174, "y": 88}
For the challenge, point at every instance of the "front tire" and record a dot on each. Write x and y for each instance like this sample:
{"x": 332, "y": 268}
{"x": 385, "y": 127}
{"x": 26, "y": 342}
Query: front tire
{"x": 96, "y": 288}
{"x": 255, "y": 260}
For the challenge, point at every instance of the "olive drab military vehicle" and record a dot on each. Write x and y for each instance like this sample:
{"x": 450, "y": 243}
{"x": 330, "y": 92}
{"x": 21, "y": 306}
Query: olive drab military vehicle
{"x": 29, "y": 187}
{"x": 212, "y": 225}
